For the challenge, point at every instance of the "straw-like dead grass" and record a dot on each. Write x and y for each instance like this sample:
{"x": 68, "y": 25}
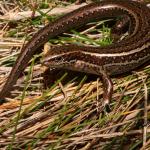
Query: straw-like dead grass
{"x": 69, "y": 114}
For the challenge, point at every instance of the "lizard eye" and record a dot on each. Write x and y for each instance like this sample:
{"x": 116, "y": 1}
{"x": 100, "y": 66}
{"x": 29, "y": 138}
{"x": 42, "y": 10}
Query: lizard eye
{"x": 58, "y": 59}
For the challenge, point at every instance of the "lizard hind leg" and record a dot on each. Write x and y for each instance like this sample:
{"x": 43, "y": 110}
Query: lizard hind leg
{"x": 107, "y": 86}
{"x": 108, "y": 89}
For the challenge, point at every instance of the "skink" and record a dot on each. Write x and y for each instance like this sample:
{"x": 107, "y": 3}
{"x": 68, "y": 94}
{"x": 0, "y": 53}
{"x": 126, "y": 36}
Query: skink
{"x": 117, "y": 58}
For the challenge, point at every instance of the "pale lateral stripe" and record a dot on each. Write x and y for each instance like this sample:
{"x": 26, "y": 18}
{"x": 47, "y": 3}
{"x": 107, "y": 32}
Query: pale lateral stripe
{"x": 119, "y": 54}
{"x": 128, "y": 63}
{"x": 102, "y": 55}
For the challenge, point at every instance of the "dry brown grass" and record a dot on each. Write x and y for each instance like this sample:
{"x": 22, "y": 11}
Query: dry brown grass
{"x": 70, "y": 114}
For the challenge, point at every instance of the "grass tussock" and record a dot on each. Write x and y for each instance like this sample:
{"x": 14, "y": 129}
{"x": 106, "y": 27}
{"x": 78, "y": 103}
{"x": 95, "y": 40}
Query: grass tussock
{"x": 70, "y": 113}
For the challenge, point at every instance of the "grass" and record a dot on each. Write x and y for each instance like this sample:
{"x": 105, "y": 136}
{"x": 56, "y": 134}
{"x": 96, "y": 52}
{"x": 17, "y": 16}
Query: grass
{"x": 69, "y": 114}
